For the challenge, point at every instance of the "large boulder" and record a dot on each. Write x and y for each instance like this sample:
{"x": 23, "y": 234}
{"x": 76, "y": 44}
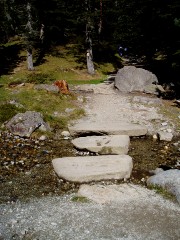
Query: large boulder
{"x": 24, "y": 124}
{"x": 131, "y": 79}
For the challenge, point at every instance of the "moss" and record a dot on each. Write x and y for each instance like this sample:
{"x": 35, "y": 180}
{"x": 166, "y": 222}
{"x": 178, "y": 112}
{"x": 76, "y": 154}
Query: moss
{"x": 79, "y": 199}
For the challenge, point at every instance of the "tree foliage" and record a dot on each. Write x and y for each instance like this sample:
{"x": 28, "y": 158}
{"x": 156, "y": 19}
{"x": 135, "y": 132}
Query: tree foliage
{"x": 144, "y": 26}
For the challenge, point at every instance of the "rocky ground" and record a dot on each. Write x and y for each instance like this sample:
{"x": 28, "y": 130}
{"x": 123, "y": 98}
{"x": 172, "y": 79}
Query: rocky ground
{"x": 33, "y": 204}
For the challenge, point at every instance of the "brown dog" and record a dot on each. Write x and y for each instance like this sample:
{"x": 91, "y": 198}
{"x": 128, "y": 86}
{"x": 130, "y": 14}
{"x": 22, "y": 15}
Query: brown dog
{"x": 63, "y": 86}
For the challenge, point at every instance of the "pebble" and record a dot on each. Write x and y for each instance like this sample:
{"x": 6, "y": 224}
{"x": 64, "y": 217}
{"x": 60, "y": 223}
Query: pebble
{"x": 42, "y": 138}
{"x": 80, "y": 99}
{"x": 54, "y": 224}
{"x": 164, "y": 124}
{"x": 155, "y": 136}
{"x": 69, "y": 110}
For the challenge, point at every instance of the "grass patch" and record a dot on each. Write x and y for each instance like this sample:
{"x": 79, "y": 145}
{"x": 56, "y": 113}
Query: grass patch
{"x": 80, "y": 199}
{"x": 39, "y": 78}
{"x": 163, "y": 192}
{"x": 7, "y": 111}
{"x": 62, "y": 62}
{"x": 79, "y": 82}
{"x": 52, "y": 106}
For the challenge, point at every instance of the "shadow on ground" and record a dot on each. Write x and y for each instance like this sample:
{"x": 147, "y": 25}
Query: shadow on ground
{"x": 10, "y": 58}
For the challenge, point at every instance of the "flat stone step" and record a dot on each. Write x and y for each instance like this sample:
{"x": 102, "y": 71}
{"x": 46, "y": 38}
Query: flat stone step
{"x": 114, "y": 193}
{"x": 111, "y": 144}
{"x": 93, "y": 168}
{"x": 112, "y": 128}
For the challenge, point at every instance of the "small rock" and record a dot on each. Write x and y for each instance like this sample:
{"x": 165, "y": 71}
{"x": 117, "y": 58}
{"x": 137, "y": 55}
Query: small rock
{"x": 155, "y": 136}
{"x": 165, "y": 136}
{"x": 164, "y": 124}
{"x": 66, "y": 134}
{"x": 69, "y": 110}
{"x": 80, "y": 99}
{"x": 54, "y": 224}
{"x": 42, "y": 138}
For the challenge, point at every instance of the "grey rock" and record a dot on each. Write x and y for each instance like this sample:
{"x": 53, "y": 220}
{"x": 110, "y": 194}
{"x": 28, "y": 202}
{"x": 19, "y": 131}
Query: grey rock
{"x": 169, "y": 180}
{"x": 47, "y": 87}
{"x": 24, "y": 124}
{"x": 113, "y": 144}
{"x": 100, "y": 128}
{"x": 130, "y": 79}
{"x": 165, "y": 136}
{"x": 93, "y": 168}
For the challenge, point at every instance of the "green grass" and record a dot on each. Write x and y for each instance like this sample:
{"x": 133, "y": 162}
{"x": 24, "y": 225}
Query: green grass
{"x": 63, "y": 62}
{"x": 163, "y": 192}
{"x": 80, "y": 199}
{"x": 7, "y": 111}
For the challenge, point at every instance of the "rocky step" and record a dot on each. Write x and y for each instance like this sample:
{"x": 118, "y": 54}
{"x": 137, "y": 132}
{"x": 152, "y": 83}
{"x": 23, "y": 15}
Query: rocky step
{"x": 113, "y": 128}
{"x": 113, "y": 193}
{"x": 103, "y": 145}
{"x": 93, "y": 168}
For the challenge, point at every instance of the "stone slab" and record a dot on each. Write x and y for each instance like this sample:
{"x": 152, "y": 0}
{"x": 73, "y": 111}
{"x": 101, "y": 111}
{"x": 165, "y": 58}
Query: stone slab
{"x": 111, "y": 144}
{"x": 113, "y": 128}
{"x": 113, "y": 193}
{"x": 93, "y": 168}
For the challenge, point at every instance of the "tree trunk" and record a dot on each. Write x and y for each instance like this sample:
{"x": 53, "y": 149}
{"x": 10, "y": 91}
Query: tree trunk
{"x": 30, "y": 59}
{"x": 89, "y": 53}
{"x": 29, "y": 34}
{"x": 90, "y": 64}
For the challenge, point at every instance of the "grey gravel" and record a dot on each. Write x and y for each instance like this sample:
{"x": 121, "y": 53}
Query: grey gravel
{"x": 61, "y": 218}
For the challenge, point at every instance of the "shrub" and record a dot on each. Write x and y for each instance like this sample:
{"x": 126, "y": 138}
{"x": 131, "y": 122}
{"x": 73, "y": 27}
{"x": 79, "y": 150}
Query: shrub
{"x": 40, "y": 78}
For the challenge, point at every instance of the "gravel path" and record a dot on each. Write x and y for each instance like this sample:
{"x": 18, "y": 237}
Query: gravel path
{"x": 61, "y": 218}
{"x": 109, "y": 105}
{"x": 149, "y": 217}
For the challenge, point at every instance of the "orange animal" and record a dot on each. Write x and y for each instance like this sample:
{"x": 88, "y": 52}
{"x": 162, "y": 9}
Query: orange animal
{"x": 63, "y": 86}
